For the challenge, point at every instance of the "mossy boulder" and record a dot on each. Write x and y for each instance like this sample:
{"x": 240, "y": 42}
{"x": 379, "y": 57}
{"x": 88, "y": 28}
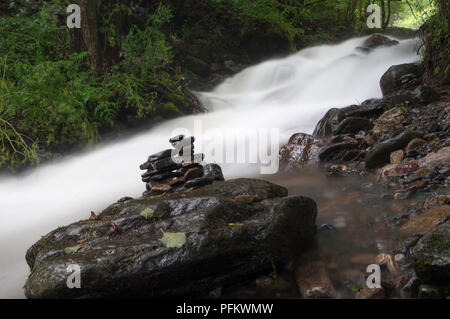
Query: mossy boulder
{"x": 175, "y": 245}
{"x": 431, "y": 256}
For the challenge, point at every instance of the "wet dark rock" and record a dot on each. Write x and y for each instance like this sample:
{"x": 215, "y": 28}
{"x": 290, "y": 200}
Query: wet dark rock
{"x": 378, "y": 40}
{"x": 431, "y": 255}
{"x": 301, "y": 152}
{"x": 124, "y": 199}
{"x": 411, "y": 289}
{"x": 226, "y": 241}
{"x": 434, "y": 127}
{"x": 353, "y": 125}
{"x": 171, "y": 168}
{"x": 379, "y": 154}
{"x": 429, "y": 292}
{"x": 212, "y": 172}
{"x": 400, "y": 77}
{"x": 177, "y": 138}
{"x": 369, "y": 109}
{"x": 165, "y": 164}
{"x": 420, "y": 95}
{"x": 326, "y": 227}
{"x": 389, "y": 122}
{"x": 160, "y": 155}
{"x": 413, "y": 147}
{"x": 344, "y": 151}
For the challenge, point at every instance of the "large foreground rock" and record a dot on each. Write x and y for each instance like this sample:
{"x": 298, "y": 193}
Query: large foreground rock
{"x": 222, "y": 233}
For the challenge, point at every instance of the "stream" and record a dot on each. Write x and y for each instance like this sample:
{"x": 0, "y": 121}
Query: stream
{"x": 289, "y": 94}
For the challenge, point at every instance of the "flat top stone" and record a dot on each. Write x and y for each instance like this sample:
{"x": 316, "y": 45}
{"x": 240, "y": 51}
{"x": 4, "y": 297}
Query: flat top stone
{"x": 176, "y": 138}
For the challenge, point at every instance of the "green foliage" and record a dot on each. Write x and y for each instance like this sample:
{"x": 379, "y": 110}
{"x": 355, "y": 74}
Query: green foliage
{"x": 412, "y": 14}
{"x": 50, "y": 100}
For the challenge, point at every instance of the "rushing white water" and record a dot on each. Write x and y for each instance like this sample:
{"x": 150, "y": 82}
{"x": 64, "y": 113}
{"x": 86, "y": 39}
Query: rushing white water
{"x": 290, "y": 94}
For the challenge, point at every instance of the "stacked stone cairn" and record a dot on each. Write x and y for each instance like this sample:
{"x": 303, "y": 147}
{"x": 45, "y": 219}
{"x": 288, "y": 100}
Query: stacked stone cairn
{"x": 178, "y": 168}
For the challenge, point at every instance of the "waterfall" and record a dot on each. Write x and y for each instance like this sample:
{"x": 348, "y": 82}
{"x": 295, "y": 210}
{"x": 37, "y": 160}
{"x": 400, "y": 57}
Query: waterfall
{"x": 290, "y": 94}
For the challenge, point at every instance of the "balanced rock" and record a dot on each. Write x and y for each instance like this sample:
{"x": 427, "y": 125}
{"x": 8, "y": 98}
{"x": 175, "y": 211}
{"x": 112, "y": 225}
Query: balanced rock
{"x": 173, "y": 167}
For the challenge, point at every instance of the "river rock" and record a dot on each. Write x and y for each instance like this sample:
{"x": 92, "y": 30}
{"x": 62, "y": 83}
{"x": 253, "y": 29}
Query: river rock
{"x": 339, "y": 152}
{"x": 378, "y": 40}
{"x": 352, "y": 125}
{"x": 211, "y": 173}
{"x": 431, "y": 255}
{"x": 312, "y": 278}
{"x": 174, "y": 245}
{"x": 302, "y": 151}
{"x": 427, "y": 221}
{"x": 396, "y": 156}
{"x": 413, "y": 147}
{"x": 402, "y": 76}
{"x": 389, "y": 121}
{"x": 421, "y": 95}
{"x": 379, "y": 154}
{"x": 329, "y": 123}
{"x": 436, "y": 160}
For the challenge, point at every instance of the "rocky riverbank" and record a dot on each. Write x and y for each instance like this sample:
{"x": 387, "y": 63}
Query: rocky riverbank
{"x": 402, "y": 139}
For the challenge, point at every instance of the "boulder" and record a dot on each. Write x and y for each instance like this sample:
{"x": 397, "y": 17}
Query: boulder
{"x": 413, "y": 147}
{"x": 433, "y": 161}
{"x": 427, "y": 221}
{"x": 211, "y": 173}
{"x": 330, "y": 122}
{"x": 179, "y": 244}
{"x": 421, "y": 95}
{"x": 339, "y": 152}
{"x": 380, "y": 153}
{"x": 301, "y": 152}
{"x": 378, "y": 40}
{"x": 389, "y": 121}
{"x": 352, "y": 125}
{"x": 431, "y": 255}
{"x": 402, "y": 76}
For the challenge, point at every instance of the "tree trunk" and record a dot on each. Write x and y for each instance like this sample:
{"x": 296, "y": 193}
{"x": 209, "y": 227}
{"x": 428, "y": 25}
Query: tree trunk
{"x": 90, "y": 10}
{"x": 386, "y": 23}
